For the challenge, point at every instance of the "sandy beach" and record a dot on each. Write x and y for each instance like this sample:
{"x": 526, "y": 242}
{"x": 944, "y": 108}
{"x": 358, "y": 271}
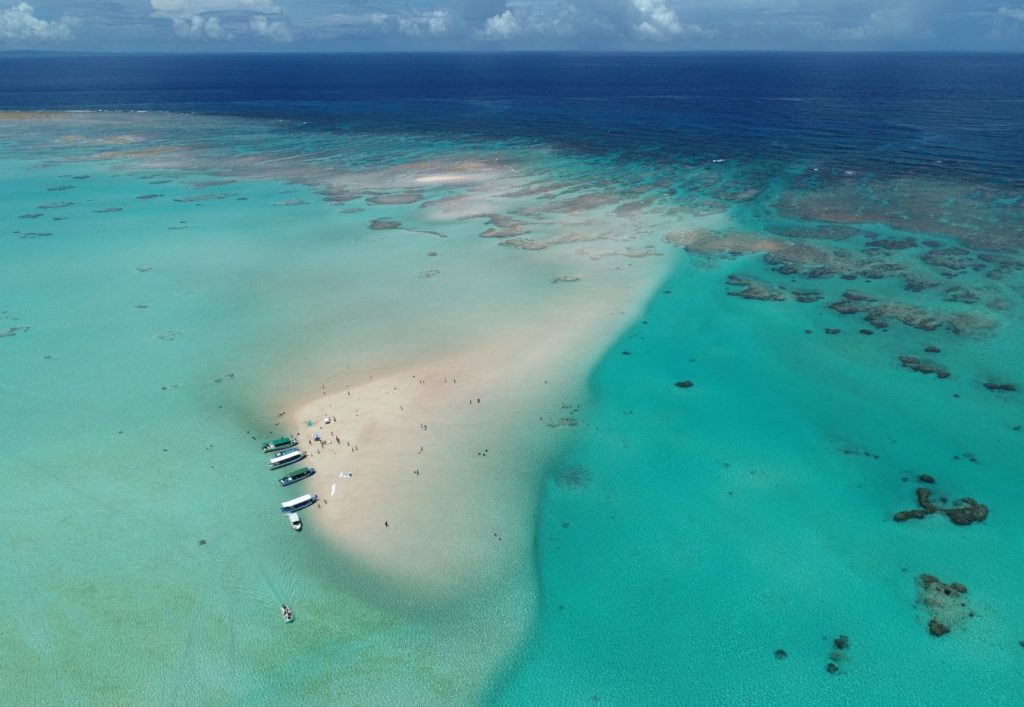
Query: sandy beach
{"x": 428, "y": 471}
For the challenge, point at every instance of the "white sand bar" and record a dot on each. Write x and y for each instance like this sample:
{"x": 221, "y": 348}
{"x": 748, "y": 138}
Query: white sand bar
{"x": 443, "y": 487}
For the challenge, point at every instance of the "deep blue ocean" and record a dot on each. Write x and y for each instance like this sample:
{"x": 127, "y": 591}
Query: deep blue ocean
{"x": 908, "y": 110}
{"x": 821, "y": 281}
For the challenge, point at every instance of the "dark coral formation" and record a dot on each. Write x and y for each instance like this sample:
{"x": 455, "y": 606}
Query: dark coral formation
{"x": 1001, "y": 387}
{"x": 962, "y": 511}
{"x": 901, "y": 516}
{"x": 979, "y": 217}
{"x": 966, "y": 511}
{"x": 409, "y": 197}
{"x": 924, "y": 500}
{"x": 11, "y": 331}
{"x": 502, "y": 226}
{"x": 840, "y": 644}
{"x": 961, "y": 294}
{"x": 573, "y": 478}
{"x": 923, "y": 366}
{"x": 892, "y": 243}
{"x": 948, "y": 258}
{"x": 879, "y": 314}
{"x": 823, "y": 233}
{"x": 753, "y": 289}
{"x": 944, "y": 603}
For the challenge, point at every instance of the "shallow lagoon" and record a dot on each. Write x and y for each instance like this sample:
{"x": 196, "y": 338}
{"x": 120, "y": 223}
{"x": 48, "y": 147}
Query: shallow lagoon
{"x": 684, "y": 534}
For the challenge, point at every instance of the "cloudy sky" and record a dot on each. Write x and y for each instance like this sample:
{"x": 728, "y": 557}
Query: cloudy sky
{"x": 367, "y": 25}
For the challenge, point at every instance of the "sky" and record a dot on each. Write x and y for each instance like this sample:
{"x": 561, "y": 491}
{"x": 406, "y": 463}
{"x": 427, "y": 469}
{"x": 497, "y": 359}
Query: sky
{"x": 483, "y": 25}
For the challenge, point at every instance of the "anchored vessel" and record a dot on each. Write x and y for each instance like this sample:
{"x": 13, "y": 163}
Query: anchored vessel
{"x": 278, "y": 444}
{"x": 297, "y": 475}
{"x": 285, "y": 458}
{"x": 298, "y": 503}
{"x": 295, "y": 521}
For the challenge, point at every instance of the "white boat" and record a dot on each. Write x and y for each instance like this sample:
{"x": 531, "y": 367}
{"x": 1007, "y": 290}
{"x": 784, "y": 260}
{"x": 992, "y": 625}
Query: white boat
{"x": 286, "y": 458}
{"x": 296, "y": 522}
{"x": 298, "y": 503}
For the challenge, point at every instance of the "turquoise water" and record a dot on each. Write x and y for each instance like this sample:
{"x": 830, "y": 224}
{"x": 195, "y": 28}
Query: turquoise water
{"x": 684, "y": 534}
{"x": 710, "y": 526}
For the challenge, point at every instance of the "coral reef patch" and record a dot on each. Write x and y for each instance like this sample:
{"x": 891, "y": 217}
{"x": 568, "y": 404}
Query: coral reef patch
{"x": 962, "y": 511}
{"x": 944, "y": 603}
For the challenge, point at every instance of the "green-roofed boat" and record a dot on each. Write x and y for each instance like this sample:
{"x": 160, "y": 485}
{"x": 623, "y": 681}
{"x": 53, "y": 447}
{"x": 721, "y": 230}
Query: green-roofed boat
{"x": 279, "y": 444}
{"x": 298, "y": 475}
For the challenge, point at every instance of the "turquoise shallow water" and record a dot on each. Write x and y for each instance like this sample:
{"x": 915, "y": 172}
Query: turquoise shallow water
{"x": 690, "y": 533}
{"x": 684, "y": 534}
{"x": 147, "y": 348}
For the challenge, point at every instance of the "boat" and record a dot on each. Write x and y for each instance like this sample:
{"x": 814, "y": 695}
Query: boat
{"x": 299, "y": 474}
{"x": 298, "y": 503}
{"x": 287, "y": 457}
{"x": 287, "y": 614}
{"x": 278, "y": 444}
{"x": 296, "y": 522}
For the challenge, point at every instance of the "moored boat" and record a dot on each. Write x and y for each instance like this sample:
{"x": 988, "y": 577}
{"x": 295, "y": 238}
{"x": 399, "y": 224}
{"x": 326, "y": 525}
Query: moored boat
{"x": 295, "y": 521}
{"x": 288, "y": 457}
{"x": 278, "y": 444}
{"x": 299, "y": 502}
{"x": 298, "y": 475}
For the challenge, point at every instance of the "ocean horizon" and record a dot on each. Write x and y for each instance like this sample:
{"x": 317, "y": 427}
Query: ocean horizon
{"x": 631, "y": 378}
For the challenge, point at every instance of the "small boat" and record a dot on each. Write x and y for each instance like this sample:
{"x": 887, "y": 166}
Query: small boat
{"x": 288, "y": 457}
{"x": 298, "y": 503}
{"x": 287, "y": 614}
{"x": 300, "y": 474}
{"x": 278, "y": 444}
{"x": 295, "y": 521}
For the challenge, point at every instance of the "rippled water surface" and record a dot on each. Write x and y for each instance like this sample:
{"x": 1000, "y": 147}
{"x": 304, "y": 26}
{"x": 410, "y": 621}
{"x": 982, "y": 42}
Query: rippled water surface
{"x": 840, "y": 327}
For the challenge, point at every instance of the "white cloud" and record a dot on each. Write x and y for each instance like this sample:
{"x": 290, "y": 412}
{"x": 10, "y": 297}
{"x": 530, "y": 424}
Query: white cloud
{"x": 1015, "y": 13}
{"x": 535, "y": 21}
{"x": 199, "y": 7}
{"x": 898, "y": 21}
{"x": 503, "y": 26}
{"x": 426, "y": 24}
{"x": 224, "y": 19}
{"x": 659, "y": 21}
{"x": 268, "y": 28}
{"x": 20, "y": 22}
{"x": 200, "y": 27}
